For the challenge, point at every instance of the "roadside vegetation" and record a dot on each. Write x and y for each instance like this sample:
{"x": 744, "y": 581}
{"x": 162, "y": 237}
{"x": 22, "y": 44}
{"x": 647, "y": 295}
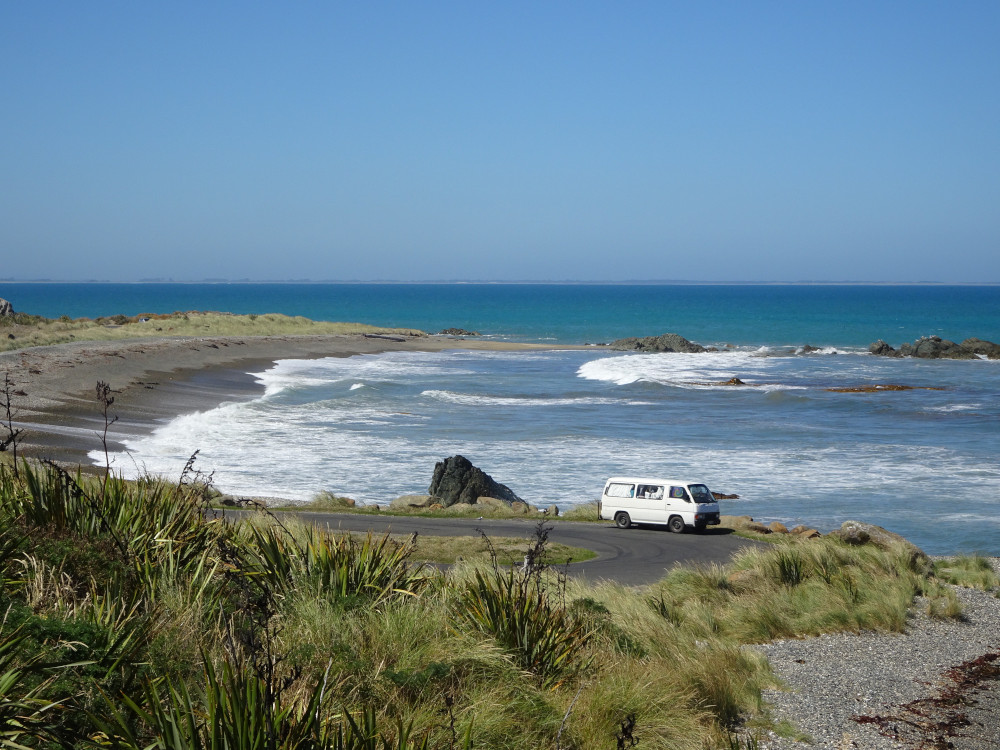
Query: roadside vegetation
{"x": 22, "y": 330}
{"x": 133, "y": 616}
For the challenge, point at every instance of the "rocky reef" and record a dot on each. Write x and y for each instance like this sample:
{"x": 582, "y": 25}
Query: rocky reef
{"x": 667, "y": 342}
{"x": 934, "y": 347}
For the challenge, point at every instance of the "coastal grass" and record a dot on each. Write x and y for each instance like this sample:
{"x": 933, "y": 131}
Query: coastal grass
{"x": 25, "y": 331}
{"x": 135, "y": 616}
{"x": 968, "y": 571}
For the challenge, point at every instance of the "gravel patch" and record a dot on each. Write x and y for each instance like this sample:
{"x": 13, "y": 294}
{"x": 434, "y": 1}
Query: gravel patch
{"x": 832, "y": 679}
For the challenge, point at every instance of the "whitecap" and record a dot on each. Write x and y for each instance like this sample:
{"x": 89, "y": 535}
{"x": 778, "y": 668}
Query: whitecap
{"x": 472, "y": 399}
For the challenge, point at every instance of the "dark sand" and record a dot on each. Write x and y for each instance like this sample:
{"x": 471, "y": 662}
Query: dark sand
{"x": 155, "y": 380}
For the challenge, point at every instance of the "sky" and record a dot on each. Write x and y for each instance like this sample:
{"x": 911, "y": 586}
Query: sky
{"x": 414, "y": 141}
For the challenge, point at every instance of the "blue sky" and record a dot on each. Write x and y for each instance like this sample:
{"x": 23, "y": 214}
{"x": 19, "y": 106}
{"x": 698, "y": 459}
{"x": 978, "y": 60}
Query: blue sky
{"x": 715, "y": 141}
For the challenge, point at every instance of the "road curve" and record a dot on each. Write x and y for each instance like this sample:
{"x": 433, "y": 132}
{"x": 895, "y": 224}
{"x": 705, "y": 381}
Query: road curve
{"x": 631, "y": 557}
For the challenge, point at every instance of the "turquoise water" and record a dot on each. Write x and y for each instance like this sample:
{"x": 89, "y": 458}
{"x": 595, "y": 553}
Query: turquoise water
{"x": 553, "y": 425}
{"x": 569, "y": 313}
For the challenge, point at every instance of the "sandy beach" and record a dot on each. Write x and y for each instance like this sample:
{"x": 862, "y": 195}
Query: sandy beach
{"x": 156, "y": 379}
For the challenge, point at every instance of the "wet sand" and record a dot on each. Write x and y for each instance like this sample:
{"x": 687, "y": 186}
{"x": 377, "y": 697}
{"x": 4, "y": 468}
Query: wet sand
{"x": 155, "y": 380}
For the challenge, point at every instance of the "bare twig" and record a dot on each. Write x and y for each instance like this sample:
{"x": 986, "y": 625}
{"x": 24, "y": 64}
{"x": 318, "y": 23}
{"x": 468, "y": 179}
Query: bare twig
{"x": 106, "y": 400}
{"x": 565, "y": 718}
{"x": 12, "y": 434}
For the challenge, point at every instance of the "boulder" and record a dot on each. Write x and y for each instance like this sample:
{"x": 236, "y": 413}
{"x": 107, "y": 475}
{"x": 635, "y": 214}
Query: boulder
{"x": 552, "y": 510}
{"x": 456, "y": 480}
{"x": 777, "y": 527}
{"x": 935, "y": 347}
{"x": 490, "y": 502}
{"x": 406, "y": 502}
{"x": 518, "y": 507}
{"x": 882, "y": 349}
{"x": 758, "y": 527}
{"x": 860, "y": 533}
{"x": 806, "y": 532}
{"x": 987, "y": 348}
{"x": 667, "y": 342}
{"x": 6, "y": 309}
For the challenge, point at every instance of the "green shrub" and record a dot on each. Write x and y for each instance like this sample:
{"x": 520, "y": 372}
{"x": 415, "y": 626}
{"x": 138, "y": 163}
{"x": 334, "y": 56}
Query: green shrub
{"x": 513, "y": 607}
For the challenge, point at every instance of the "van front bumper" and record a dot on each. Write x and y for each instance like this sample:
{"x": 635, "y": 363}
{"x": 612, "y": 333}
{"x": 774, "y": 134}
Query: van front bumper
{"x": 706, "y": 519}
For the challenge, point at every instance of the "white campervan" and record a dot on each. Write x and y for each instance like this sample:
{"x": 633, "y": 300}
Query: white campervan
{"x": 670, "y": 502}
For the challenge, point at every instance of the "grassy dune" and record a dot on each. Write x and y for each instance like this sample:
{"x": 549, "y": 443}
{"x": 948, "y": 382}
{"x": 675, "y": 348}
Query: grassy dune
{"x": 133, "y": 618}
{"x": 21, "y": 331}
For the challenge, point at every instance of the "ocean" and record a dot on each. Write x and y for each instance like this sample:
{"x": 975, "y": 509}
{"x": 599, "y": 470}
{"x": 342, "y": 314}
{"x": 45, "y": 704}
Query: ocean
{"x": 553, "y": 425}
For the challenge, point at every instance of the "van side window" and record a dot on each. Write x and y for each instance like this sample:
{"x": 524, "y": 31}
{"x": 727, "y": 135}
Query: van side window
{"x": 617, "y": 489}
{"x": 678, "y": 493}
{"x": 651, "y": 491}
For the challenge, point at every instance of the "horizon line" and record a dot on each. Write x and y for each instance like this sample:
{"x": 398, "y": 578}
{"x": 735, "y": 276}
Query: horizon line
{"x": 523, "y": 282}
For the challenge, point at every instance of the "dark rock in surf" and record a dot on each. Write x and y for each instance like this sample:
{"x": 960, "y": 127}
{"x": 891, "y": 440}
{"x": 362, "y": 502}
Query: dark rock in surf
{"x": 457, "y": 332}
{"x": 935, "y": 347}
{"x": 667, "y": 342}
{"x": 456, "y": 480}
{"x": 882, "y": 349}
{"x": 986, "y": 348}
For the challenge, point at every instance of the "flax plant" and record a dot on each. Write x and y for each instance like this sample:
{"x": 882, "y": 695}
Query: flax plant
{"x": 514, "y": 607}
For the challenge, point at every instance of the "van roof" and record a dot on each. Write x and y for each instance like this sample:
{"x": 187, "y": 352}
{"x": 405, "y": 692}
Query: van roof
{"x": 652, "y": 480}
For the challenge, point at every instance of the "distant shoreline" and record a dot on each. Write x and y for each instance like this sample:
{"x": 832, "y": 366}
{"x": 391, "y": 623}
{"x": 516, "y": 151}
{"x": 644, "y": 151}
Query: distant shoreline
{"x": 474, "y": 282}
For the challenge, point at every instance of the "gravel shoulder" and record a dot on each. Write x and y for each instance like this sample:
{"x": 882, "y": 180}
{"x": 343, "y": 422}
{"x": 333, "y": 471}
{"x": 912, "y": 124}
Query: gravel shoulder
{"x": 907, "y": 689}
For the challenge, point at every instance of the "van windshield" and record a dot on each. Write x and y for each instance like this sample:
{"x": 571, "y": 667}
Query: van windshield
{"x": 701, "y": 493}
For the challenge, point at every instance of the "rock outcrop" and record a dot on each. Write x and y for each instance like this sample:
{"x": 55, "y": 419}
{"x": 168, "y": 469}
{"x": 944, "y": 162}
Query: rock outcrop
{"x": 935, "y": 347}
{"x": 457, "y": 332}
{"x": 456, "y": 480}
{"x": 986, "y": 348}
{"x": 6, "y": 308}
{"x": 667, "y": 342}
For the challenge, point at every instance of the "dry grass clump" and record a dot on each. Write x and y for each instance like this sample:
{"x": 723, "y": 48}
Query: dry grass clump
{"x": 30, "y": 331}
{"x": 134, "y": 617}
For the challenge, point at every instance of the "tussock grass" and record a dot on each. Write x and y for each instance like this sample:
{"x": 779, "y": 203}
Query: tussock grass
{"x": 158, "y": 623}
{"x": 36, "y": 331}
{"x": 585, "y": 512}
{"x": 969, "y": 571}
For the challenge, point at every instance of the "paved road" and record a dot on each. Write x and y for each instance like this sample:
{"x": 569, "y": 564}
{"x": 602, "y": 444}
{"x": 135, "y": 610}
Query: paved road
{"x": 629, "y": 556}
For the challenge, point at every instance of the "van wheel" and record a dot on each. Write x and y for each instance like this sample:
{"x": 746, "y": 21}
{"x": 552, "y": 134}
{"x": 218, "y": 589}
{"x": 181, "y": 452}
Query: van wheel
{"x": 622, "y": 521}
{"x": 676, "y": 524}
